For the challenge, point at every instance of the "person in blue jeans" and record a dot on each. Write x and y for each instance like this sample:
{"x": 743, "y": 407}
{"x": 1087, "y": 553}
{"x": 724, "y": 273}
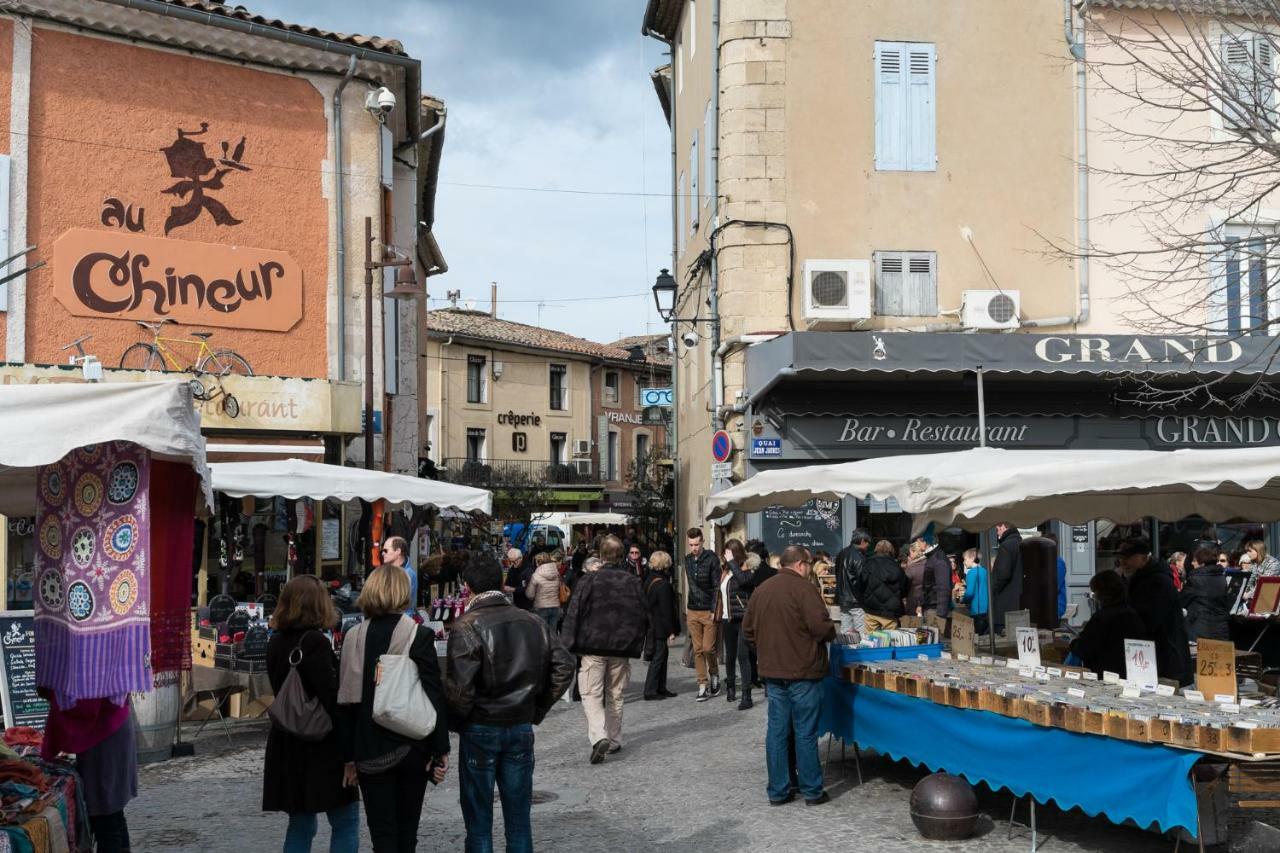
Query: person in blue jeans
{"x": 788, "y": 625}
{"x": 506, "y": 669}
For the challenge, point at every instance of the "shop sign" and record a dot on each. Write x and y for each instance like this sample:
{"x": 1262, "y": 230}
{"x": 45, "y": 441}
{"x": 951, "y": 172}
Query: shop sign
{"x": 655, "y": 397}
{"x": 1136, "y": 350}
{"x": 512, "y": 419}
{"x": 126, "y": 276}
{"x": 1195, "y": 431}
{"x": 624, "y": 418}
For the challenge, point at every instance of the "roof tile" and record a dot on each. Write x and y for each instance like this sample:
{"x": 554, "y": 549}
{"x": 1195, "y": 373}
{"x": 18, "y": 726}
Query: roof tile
{"x": 381, "y": 45}
{"x": 482, "y": 326}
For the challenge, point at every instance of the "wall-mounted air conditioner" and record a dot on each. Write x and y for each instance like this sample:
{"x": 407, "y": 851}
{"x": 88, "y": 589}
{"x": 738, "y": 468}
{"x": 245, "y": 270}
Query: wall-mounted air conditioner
{"x": 837, "y": 290}
{"x": 582, "y": 447}
{"x": 583, "y": 467}
{"x": 991, "y": 309}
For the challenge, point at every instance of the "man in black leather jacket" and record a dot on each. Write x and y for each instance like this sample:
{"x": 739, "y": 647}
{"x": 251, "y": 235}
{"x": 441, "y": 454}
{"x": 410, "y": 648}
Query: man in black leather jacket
{"x": 506, "y": 669}
{"x": 702, "y": 570}
{"x": 848, "y": 566}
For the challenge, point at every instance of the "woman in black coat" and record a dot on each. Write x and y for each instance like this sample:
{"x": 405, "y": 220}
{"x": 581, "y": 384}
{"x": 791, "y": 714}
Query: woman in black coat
{"x": 733, "y": 591}
{"x": 300, "y": 778}
{"x": 1101, "y": 641}
{"x": 664, "y": 623}
{"x": 1205, "y": 597}
{"x": 393, "y": 770}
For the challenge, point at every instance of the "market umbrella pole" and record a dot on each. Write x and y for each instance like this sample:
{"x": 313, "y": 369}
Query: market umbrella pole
{"x": 982, "y": 442}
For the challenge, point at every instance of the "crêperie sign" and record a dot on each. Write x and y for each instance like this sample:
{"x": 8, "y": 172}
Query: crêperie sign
{"x": 814, "y": 525}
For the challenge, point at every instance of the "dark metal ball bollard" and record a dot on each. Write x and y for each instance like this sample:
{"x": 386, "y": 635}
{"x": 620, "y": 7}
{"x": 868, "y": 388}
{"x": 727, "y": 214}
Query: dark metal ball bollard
{"x": 944, "y": 808}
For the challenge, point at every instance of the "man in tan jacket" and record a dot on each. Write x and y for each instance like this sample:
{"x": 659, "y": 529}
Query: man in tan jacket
{"x": 788, "y": 625}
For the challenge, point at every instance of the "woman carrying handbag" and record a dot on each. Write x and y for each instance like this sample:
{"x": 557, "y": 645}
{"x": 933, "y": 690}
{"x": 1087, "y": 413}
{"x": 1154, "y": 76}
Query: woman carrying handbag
{"x": 303, "y": 777}
{"x": 383, "y": 656}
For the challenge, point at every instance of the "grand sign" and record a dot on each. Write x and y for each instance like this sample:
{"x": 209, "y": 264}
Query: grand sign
{"x": 815, "y": 437}
{"x": 1136, "y": 350}
{"x": 114, "y": 274}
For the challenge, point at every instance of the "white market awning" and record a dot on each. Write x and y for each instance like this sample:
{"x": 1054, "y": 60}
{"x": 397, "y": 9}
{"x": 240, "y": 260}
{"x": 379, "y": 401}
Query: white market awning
{"x": 41, "y": 423}
{"x": 977, "y": 488}
{"x": 293, "y": 478}
{"x": 572, "y": 518}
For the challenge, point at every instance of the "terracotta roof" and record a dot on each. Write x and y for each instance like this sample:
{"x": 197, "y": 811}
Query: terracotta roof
{"x": 371, "y": 42}
{"x": 479, "y": 325}
{"x": 662, "y": 17}
{"x": 657, "y": 347}
{"x": 1195, "y": 7}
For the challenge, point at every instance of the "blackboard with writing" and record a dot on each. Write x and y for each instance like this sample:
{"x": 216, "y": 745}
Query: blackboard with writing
{"x": 814, "y": 525}
{"x": 22, "y": 707}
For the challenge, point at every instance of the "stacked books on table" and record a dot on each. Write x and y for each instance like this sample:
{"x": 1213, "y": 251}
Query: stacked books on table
{"x": 1078, "y": 701}
{"x": 895, "y": 637}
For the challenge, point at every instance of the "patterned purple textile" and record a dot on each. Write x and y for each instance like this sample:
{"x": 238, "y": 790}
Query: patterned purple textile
{"x": 92, "y": 558}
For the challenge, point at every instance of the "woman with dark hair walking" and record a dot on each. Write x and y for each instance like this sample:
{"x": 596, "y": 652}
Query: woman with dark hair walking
{"x": 732, "y": 594}
{"x": 301, "y": 778}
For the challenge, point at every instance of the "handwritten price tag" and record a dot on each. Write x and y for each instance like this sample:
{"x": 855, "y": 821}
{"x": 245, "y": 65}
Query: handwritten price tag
{"x": 1140, "y": 664}
{"x": 1028, "y": 647}
{"x": 962, "y": 636}
{"x": 1216, "y": 668}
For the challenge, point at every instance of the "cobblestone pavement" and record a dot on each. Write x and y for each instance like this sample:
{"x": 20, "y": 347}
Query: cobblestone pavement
{"x": 690, "y": 778}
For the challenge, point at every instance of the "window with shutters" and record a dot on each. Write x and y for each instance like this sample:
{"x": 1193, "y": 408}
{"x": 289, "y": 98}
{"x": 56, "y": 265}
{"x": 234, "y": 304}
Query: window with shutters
{"x": 694, "y": 204}
{"x": 476, "y": 380}
{"x": 559, "y": 387}
{"x": 906, "y": 82}
{"x": 1244, "y": 298}
{"x": 906, "y": 284}
{"x": 1248, "y": 81}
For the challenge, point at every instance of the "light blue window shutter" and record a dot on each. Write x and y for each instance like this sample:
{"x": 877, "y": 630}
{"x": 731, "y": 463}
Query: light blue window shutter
{"x": 920, "y": 293}
{"x": 889, "y": 282}
{"x": 891, "y": 114}
{"x": 922, "y": 154}
{"x": 1222, "y": 268}
{"x": 1237, "y": 72}
{"x": 694, "y": 198}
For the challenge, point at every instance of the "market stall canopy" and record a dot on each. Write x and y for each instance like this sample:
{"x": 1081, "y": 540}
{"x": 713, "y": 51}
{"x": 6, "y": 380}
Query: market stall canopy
{"x": 293, "y": 478}
{"x": 40, "y": 424}
{"x": 974, "y": 489}
{"x": 571, "y": 518}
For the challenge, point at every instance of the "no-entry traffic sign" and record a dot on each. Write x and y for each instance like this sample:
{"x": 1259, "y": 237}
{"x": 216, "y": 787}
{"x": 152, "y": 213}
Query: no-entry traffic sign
{"x": 721, "y": 446}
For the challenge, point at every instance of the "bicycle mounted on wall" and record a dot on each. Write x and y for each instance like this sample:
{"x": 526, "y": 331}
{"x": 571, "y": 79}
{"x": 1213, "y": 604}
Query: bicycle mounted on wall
{"x": 207, "y": 364}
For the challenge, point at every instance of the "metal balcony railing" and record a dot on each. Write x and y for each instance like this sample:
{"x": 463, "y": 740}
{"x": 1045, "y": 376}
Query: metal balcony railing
{"x": 516, "y": 472}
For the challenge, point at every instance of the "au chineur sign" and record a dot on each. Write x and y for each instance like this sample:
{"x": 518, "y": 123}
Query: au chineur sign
{"x": 114, "y": 274}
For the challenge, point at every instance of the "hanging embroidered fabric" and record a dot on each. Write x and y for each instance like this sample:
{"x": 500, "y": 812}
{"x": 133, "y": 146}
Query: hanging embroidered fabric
{"x": 92, "y": 569}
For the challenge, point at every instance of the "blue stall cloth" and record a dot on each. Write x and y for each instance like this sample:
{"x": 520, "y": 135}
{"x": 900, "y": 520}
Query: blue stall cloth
{"x": 1146, "y": 783}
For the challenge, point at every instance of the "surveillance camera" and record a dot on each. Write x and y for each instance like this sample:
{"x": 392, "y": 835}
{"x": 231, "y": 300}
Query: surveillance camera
{"x": 689, "y": 339}
{"x": 380, "y": 102}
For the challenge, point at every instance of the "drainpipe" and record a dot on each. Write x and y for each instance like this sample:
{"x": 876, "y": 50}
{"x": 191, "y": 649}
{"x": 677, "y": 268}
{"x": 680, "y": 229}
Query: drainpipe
{"x": 443, "y": 114}
{"x": 340, "y": 207}
{"x": 717, "y": 362}
{"x": 1075, "y": 43}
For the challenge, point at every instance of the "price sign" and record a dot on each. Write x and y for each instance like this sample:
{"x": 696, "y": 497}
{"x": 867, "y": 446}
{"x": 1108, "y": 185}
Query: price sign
{"x": 1140, "y": 664}
{"x": 1015, "y": 619}
{"x": 962, "y": 635}
{"x": 22, "y": 706}
{"x": 1216, "y": 668}
{"x": 1028, "y": 647}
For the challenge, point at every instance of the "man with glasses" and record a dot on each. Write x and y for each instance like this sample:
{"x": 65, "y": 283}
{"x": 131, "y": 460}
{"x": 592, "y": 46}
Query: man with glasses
{"x": 395, "y": 552}
{"x": 788, "y": 624}
{"x": 636, "y": 563}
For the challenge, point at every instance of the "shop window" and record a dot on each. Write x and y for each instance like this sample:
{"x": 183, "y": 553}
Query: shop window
{"x": 612, "y": 385}
{"x": 1243, "y": 298}
{"x": 475, "y": 444}
{"x": 476, "y": 380}
{"x": 559, "y": 388}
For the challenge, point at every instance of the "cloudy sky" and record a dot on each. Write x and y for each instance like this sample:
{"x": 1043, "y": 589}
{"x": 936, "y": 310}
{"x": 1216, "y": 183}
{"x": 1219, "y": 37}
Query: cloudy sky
{"x": 547, "y": 95}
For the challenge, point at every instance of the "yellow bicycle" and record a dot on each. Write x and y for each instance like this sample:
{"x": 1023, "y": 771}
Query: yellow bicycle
{"x": 158, "y": 354}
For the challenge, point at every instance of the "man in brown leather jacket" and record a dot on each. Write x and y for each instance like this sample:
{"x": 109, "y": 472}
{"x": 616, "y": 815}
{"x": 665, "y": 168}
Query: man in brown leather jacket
{"x": 506, "y": 669}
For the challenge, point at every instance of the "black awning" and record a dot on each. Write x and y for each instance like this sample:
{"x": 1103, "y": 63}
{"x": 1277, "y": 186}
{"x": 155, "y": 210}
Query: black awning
{"x": 820, "y": 357}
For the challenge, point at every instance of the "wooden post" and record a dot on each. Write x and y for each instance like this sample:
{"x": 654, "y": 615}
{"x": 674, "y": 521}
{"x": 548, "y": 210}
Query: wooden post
{"x": 202, "y": 571}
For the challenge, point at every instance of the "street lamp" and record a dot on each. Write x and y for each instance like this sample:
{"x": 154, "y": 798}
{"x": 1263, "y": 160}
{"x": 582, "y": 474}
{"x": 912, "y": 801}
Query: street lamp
{"x": 664, "y": 296}
{"x": 406, "y": 287}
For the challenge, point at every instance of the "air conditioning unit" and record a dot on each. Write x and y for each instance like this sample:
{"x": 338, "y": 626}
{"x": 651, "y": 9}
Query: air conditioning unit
{"x": 583, "y": 467}
{"x": 582, "y": 447}
{"x": 991, "y": 309}
{"x": 837, "y": 290}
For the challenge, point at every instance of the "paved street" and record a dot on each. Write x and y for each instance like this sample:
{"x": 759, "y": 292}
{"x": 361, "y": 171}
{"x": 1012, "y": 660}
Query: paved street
{"x": 690, "y": 778}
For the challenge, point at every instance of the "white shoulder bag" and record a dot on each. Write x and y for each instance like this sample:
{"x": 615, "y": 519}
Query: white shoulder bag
{"x": 400, "y": 704}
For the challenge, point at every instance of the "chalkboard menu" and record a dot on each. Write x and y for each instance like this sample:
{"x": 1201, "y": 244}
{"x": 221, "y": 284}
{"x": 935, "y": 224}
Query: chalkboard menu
{"x": 22, "y": 707}
{"x": 814, "y": 525}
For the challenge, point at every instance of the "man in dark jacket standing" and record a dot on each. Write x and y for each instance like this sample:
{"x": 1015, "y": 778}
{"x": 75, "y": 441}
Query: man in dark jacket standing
{"x": 664, "y": 623}
{"x": 881, "y": 587}
{"x": 1006, "y": 574}
{"x": 505, "y": 671}
{"x": 702, "y": 570}
{"x": 848, "y": 566}
{"x": 605, "y": 626}
{"x": 788, "y": 624}
{"x": 1152, "y": 594}
{"x": 1206, "y": 597}
{"x": 937, "y": 582}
